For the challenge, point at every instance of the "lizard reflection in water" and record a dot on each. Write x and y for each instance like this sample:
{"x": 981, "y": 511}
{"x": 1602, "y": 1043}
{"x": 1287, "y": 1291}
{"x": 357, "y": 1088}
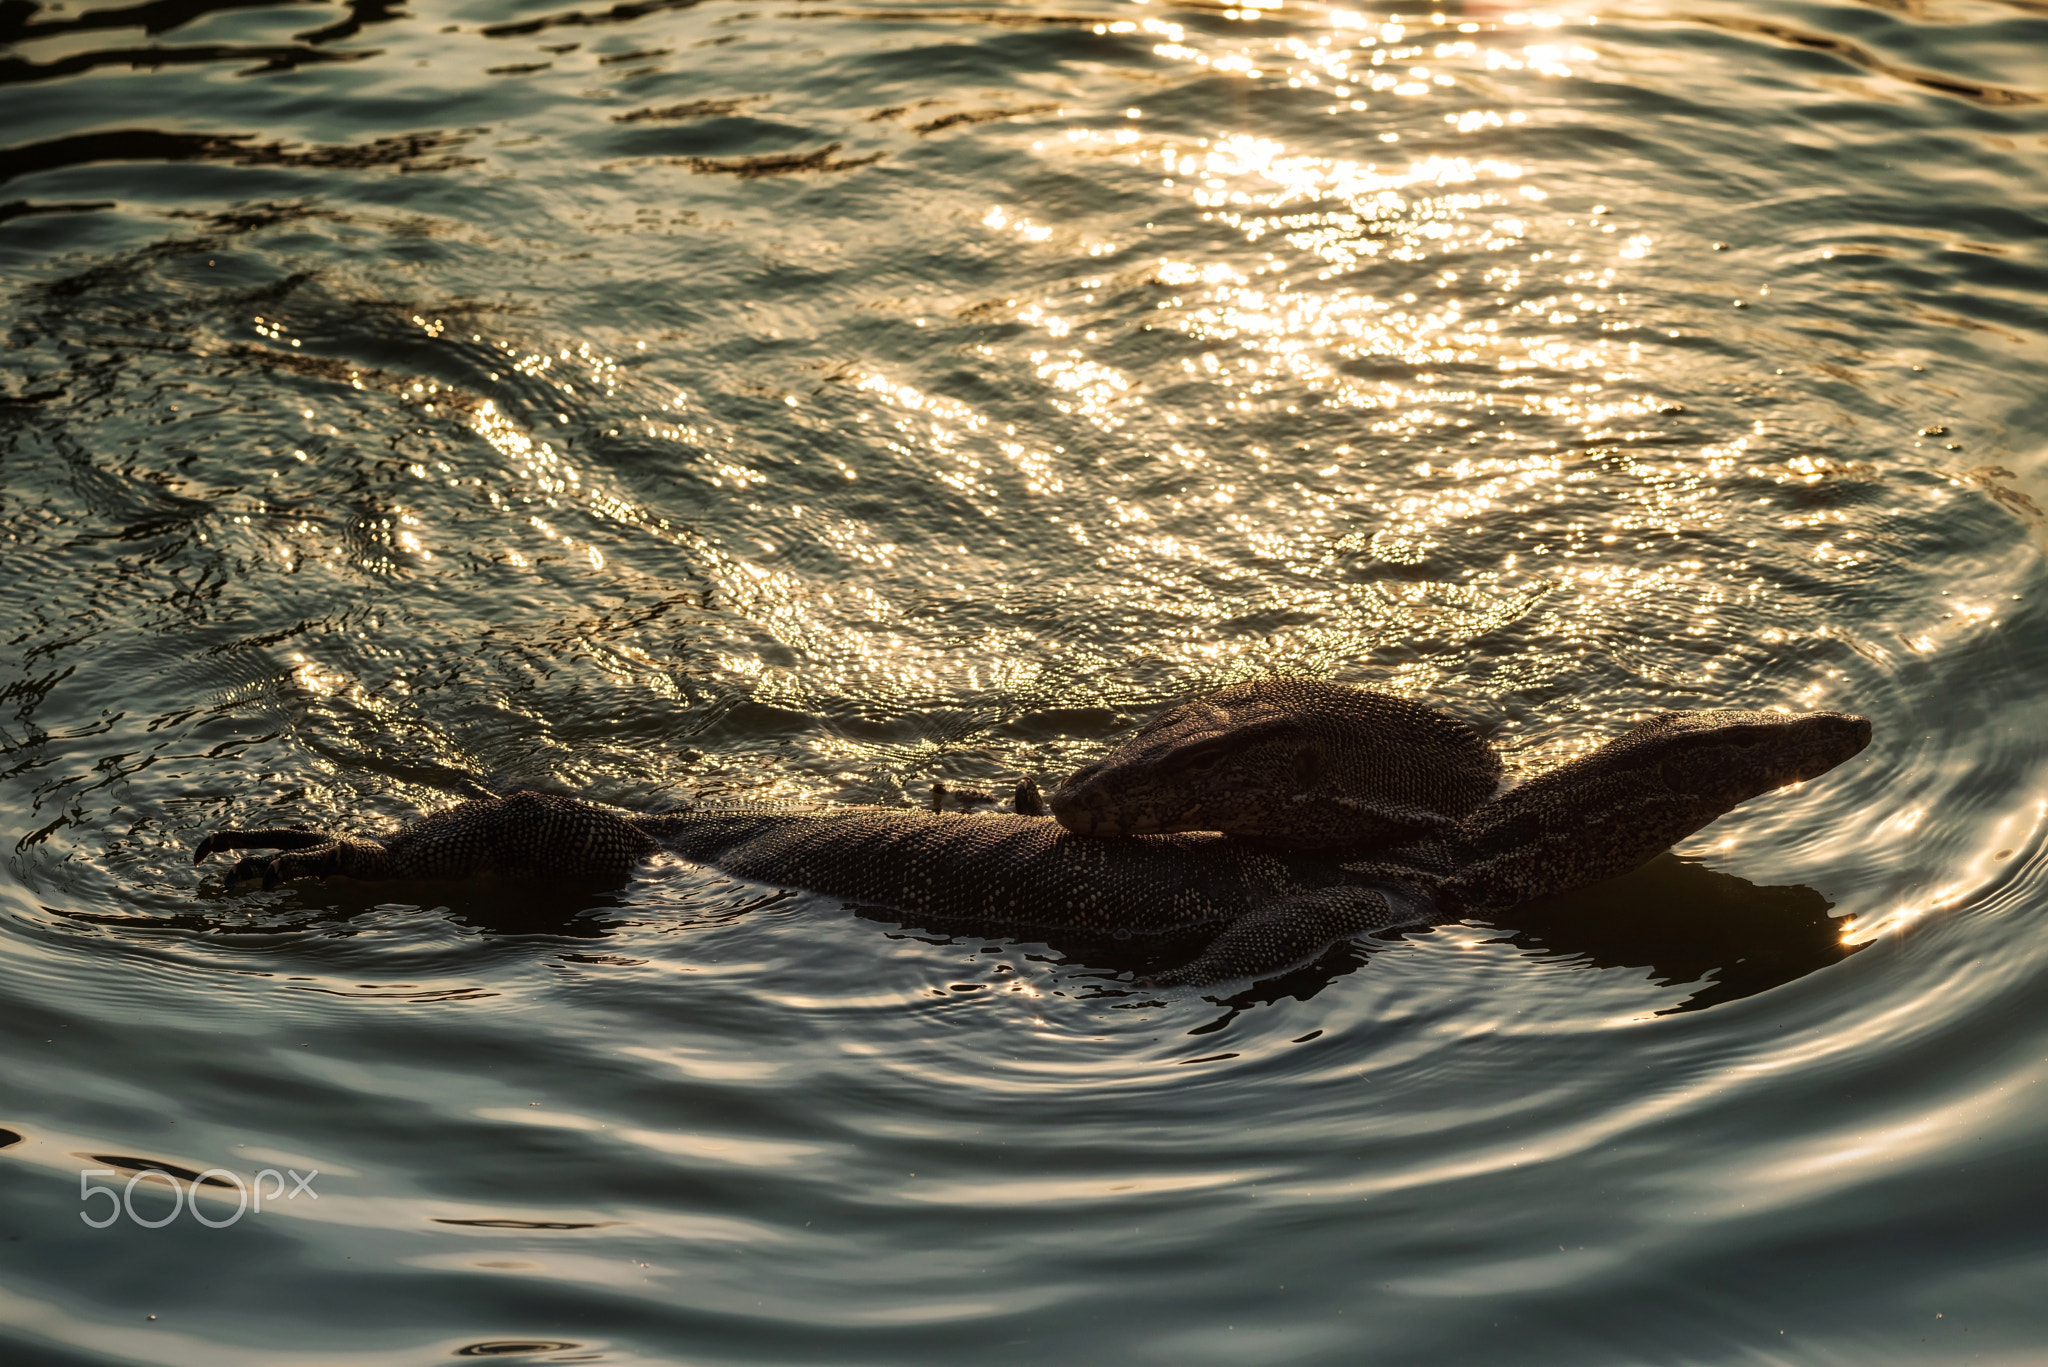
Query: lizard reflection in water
{"x": 1263, "y": 909}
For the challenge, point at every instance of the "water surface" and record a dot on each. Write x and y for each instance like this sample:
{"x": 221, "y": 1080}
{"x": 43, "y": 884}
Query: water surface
{"x": 679, "y": 399}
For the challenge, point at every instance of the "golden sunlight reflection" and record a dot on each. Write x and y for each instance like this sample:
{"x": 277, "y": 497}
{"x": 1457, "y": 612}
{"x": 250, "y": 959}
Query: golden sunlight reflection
{"x": 2013, "y": 840}
{"x": 1374, "y": 406}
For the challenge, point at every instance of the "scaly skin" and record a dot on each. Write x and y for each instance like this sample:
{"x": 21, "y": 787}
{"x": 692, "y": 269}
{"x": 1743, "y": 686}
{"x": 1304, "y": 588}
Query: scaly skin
{"x": 1295, "y": 764}
{"x": 1595, "y": 818}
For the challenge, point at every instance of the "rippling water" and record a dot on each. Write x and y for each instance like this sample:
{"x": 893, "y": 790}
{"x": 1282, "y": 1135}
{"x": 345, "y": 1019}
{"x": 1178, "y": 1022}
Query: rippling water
{"x": 679, "y": 398}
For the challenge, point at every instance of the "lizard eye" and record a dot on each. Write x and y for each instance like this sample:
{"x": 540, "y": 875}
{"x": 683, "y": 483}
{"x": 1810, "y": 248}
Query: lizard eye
{"x": 1205, "y": 755}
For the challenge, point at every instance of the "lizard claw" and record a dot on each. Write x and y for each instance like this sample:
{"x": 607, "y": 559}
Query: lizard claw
{"x": 255, "y": 868}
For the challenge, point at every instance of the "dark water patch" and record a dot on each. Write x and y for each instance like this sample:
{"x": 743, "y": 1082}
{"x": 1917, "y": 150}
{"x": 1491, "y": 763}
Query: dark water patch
{"x": 510, "y": 1223}
{"x": 130, "y": 144}
{"x": 361, "y": 14}
{"x": 399, "y": 992}
{"x": 778, "y": 164}
{"x": 1934, "y": 11}
{"x": 128, "y": 1164}
{"x": 1855, "y": 54}
{"x": 618, "y": 14}
{"x": 694, "y": 109}
{"x": 974, "y": 116}
{"x": 413, "y": 152}
{"x": 19, "y": 24}
{"x": 997, "y": 18}
{"x": 268, "y": 59}
{"x": 22, "y": 208}
{"x": 1997, "y": 481}
{"x": 257, "y": 216}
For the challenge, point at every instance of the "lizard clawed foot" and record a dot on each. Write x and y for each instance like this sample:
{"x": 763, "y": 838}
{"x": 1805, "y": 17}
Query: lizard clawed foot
{"x": 321, "y": 861}
{"x": 259, "y": 867}
{"x": 307, "y": 854}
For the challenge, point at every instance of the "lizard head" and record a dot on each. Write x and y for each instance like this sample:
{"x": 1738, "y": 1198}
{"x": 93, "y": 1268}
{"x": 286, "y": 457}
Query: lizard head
{"x": 1719, "y": 759}
{"x": 1605, "y": 813}
{"x": 1693, "y": 766}
{"x": 1196, "y": 767}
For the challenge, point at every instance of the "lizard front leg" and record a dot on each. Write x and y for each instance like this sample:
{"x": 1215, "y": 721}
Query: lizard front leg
{"x": 364, "y": 859}
{"x": 307, "y": 854}
{"x": 1286, "y": 932}
{"x": 526, "y": 833}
